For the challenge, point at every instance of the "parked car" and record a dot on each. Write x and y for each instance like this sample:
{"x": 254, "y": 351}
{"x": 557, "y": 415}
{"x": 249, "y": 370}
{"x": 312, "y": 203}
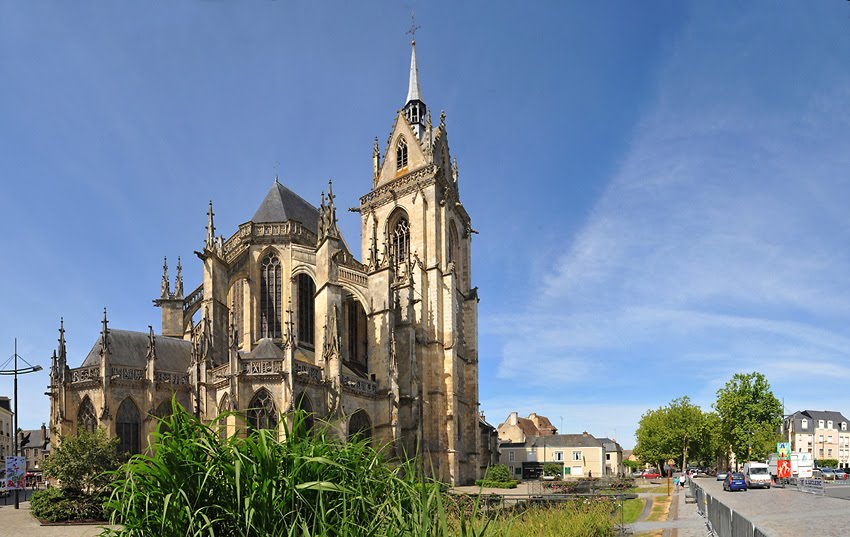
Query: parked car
{"x": 734, "y": 481}
{"x": 828, "y": 474}
{"x": 840, "y": 474}
{"x": 721, "y": 475}
{"x": 650, "y": 474}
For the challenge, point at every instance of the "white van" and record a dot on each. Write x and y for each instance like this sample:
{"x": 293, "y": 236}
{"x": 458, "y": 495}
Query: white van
{"x": 757, "y": 475}
{"x": 801, "y": 464}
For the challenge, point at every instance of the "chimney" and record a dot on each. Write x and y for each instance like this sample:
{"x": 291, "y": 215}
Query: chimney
{"x": 513, "y": 419}
{"x": 44, "y": 433}
{"x": 584, "y": 433}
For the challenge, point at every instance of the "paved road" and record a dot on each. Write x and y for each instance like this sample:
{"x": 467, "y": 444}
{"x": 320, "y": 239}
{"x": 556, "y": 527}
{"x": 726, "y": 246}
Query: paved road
{"x": 785, "y": 512}
{"x": 20, "y": 523}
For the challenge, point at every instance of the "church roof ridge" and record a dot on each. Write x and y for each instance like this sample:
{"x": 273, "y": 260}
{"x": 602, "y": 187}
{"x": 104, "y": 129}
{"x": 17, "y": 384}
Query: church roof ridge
{"x": 282, "y": 204}
{"x": 130, "y": 349}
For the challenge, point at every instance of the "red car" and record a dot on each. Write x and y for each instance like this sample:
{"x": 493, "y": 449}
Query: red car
{"x": 650, "y": 474}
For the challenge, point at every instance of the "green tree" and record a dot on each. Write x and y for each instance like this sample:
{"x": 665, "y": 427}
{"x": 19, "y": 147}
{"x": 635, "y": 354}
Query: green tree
{"x": 750, "y": 416}
{"x": 79, "y": 462}
{"x": 671, "y": 432}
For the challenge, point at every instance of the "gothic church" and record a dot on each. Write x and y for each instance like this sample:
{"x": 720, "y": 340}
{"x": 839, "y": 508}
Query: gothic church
{"x": 286, "y": 317}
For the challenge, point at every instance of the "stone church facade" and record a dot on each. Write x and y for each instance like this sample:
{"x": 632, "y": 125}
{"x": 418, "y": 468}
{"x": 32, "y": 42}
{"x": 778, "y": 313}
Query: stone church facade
{"x": 286, "y": 318}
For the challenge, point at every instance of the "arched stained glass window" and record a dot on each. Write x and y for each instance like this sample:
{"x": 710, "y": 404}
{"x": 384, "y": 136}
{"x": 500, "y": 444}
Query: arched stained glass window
{"x": 400, "y": 240}
{"x": 262, "y": 412}
{"x": 453, "y": 250}
{"x": 401, "y": 154}
{"x": 359, "y": 426}
{"x": 128, "y": 427}
{"x": 270, "y": 297}
{"x": 86, "y": 418}
{"x": 306, "y": 310}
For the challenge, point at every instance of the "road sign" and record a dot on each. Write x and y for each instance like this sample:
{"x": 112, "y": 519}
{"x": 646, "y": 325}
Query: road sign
{"x": 783, "y": 469}
{"x": 783, "y": 449}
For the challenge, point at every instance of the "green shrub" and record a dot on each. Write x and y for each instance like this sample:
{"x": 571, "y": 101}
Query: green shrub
{"x": 498, "y": 472}
{"x": 551, "y": 468}
{"x": 58, "y": 505}
{"x": 510, "y": 484}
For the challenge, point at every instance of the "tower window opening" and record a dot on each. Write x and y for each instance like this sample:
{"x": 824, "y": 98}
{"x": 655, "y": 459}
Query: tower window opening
{"x": 401, "y": 154}
{"x": 401, "y": 240}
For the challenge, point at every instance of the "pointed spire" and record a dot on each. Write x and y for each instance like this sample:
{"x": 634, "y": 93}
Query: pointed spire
{"x": 62, "y": 352}
{"x": 166, "y": 286}
{"x": 376, "y": 161}
{"x": 151, "y": 344}
{"x": 178, "y": 284}
{"x": 210, "y": 229}
{"x": 413, "y": 93}
{"x": 104, "y": 335}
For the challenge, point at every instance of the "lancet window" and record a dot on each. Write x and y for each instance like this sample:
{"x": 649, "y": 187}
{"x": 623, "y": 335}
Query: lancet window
{"x": 237, "y": 300}
{"x": 306, "y": 310}
{"x": 303, "y": 403}
{"x": 401, "y": 154}
{"x": 128, "y": 427}
{"x": 270, "y": 297}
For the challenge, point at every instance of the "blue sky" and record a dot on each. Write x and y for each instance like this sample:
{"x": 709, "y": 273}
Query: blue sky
{"x": 661, "y": 188}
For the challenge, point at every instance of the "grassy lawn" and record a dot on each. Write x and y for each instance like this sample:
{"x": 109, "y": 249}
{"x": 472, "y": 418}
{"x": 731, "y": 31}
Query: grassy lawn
{"x": 659, "y": 489}
{"x": 660, "y": 509}
{"x": 632, "y": 509}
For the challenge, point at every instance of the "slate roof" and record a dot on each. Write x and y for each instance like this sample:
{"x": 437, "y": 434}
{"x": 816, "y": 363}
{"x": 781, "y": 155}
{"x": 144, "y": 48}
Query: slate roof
{"x": 130, "y": 349}
{"x": 282, "y": 204}
{"x": 567, "y": 440}
{"x": 265, "y": 350}
{"x": 38, "y": 438}
{"x": 527, "y": 427}
{"x": 826, "y": 415}
{"x": 610, "y": 445}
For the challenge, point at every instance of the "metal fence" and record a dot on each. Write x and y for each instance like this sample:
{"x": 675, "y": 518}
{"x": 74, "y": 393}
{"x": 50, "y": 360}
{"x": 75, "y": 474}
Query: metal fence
{"x": 721, "y": 520}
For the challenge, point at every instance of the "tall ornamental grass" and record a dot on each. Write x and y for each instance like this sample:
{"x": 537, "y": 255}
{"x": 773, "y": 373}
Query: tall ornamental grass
{"x": 197, "y": 484}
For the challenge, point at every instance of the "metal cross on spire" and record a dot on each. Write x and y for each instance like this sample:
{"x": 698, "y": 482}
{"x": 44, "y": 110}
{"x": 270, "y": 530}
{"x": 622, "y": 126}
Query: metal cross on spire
{"x": 413, "y": 28}
{"x": 276, "y": 170}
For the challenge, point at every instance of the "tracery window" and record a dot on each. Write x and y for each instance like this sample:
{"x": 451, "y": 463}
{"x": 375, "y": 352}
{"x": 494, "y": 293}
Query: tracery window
{"x": 359, "y": 426}
{"x": 270, "y": 297}
{"x": 306, "y": 310}
{"x": 128, "y": 427}
{"x": 355, "y": 335}
{"x": 401, "y": 154}
{"x": 400, "y": 240}
{"x": 262, "y": 413}
{"x": 86, "y": 418}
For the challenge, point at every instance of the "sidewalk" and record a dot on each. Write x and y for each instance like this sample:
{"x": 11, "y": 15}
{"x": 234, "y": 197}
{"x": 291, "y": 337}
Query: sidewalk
{"x": 683, "y": 521}
{"x": 20, "y": 523}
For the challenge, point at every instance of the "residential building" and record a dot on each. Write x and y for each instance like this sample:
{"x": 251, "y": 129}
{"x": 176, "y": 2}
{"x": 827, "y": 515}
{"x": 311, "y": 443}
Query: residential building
{"x": 823, "y": 433}
{"x": 579, "y": 455}
{"x": 285, "y": 317}
{"x": 518, "y": 430}
{"x": 613, "y": 457}
{"x": 35, "y": 446}
{"x": 6, "y": 426}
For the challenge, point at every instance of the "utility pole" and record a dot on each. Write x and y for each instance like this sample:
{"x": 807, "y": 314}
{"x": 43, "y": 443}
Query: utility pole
{"x": 15, "y": 372}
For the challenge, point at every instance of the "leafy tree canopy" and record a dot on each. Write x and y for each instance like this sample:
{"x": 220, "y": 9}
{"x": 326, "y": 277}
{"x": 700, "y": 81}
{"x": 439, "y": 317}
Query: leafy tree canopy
{"x": 676, "y": 431}
{"x": 750, "y": 416}
{"x": 79, "y": 462}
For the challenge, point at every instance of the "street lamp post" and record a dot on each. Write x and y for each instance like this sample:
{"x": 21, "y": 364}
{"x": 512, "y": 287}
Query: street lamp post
{"x": 15, "y": 372}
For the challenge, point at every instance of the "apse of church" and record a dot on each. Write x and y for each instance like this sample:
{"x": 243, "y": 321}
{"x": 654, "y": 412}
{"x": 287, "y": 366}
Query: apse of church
{"x": 286, "y": 317}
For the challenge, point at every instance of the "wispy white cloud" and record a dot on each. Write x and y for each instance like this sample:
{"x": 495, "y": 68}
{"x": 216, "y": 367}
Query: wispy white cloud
{"x": 719, "y": 245}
